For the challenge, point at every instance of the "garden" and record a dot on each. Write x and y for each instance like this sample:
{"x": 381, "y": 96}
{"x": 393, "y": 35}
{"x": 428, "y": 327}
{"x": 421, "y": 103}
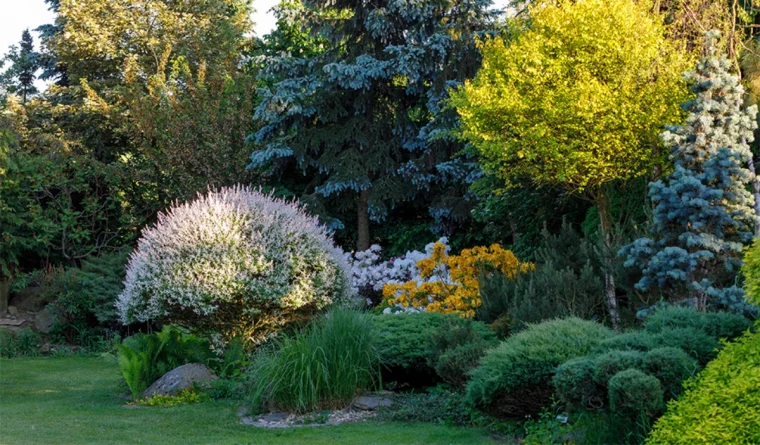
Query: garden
{"x": 382, "y": 223}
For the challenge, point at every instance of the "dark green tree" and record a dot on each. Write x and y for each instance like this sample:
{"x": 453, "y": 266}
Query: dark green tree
{"x": 360, "y": 118}
{"x": 20, "y": 75}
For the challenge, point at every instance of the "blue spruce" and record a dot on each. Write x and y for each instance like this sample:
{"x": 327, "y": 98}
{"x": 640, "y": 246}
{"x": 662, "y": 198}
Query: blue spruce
{"x": 703, "y": 212}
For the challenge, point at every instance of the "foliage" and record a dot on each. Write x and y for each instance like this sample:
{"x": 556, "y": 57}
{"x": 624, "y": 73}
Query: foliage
{"x": 322, "y": 367}
{"x": 703, "y": 211}
{"x": 610, "y": 363}
{"x": 455, "y": 365}
{"x": 234, "y": 262}
{"x": 671, "y": 366}
{"x": 451, "y": 281}
{"x": 575, "y": 384}
{"x": 143, "y": 358}
{"x": 751, "y": 271}
{"x": 515, "y": 377}
{"x": 19, "y": 77}
{"x": 412, "y": 346}
{"x": 634, "y": 393}
{"x": 436, "y": 405}
{"x": 720, "y": 405}
{"x": 714, "y": 324}
{"x": 184, "y": 397}
{"x": 23, "y": 343}
{"x": 354, "y": 121}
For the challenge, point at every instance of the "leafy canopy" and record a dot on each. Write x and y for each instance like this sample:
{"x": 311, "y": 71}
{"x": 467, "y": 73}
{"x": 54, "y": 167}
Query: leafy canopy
{"x": 577, "y": 97}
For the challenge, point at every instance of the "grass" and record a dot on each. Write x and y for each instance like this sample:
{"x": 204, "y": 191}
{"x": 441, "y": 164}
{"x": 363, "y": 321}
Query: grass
{"x": 75, "y": 400}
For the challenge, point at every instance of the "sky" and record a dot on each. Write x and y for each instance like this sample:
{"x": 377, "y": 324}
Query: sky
{"x": 18, "y": 15}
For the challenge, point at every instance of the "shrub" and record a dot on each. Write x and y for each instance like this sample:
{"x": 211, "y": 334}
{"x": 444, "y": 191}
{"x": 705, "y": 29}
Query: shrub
{"x": 402, "y": 342}
{"x": 450, "y": 283}
{"x": 695, "y": 342}
{"x": 515, "y": 377}
{"x": 436, "y": 405}
{"x": 634, "y": 393}
{"x": 609, "y": 364}
{"x": 233, "y": 263}
{"x": 24, "y": 343}
{"x": 720, "y": 405}
{"x": 454, "y": 365}
{"x": 637, "y": 341}
{"x": 671, "y": 366}
{"x": 575, "y": 385}
{"x": 322, "y": 367}
{"x": 143, "y": 358}
{"x": 714, "y": 324}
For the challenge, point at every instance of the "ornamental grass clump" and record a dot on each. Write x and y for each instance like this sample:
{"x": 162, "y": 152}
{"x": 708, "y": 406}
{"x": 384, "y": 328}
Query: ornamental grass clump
{"x": 233, "y": 263}
{"x": 322, "y": 367}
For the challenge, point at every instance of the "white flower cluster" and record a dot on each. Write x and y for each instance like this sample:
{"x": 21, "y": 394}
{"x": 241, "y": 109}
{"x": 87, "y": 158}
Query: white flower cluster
{"x": 369, "y": 273}
{"x": 233, "y": 246}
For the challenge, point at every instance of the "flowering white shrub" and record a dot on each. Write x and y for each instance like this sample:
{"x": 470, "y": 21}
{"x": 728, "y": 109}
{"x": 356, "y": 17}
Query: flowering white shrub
{"x": 369, "y": 273}
{"x": 233, "y": 262}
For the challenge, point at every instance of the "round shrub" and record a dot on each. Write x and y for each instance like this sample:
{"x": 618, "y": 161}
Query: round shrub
{"x": 671, "y": 366}
{"x": 714, "y": 324}
{"x": 633, "y": 393}
{"x": 610, "y": 363}
{"x": 514, "y": 378}
{"x": 721, "y": 405}
{"x": 454, "y": 365}
{"x": 233, "y": 262}
{"x": 574, "y": 384}
{"x": 637, "y": 341}
{"x": 410, "y": 344}
{"x": 694, "y": 341}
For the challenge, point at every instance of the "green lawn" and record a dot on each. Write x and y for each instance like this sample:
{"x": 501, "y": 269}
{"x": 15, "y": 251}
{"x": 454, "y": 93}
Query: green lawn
{"x": 75, "y": 400}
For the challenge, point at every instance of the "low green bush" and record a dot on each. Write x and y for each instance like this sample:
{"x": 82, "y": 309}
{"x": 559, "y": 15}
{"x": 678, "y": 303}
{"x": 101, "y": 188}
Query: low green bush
{"x": 671, "y": 366}
{"x": 634, "y": 393}
{"x": 435, "y": 405}
{"x": 411, "y": 346}
{"x": 143, "y": 358}
{"x": 721, "y": 405}
{"x": 610, "y": 363}
{"x": 455, "y": 365}
{"x": 715, "y": 324}
{"x": 514, "y": 378}
{"x": 694, "y": 342}
{"x": 636, "y": 341}
{"x": 23, "y": 343}
{"x": 575, "y": 385}
{"x": 321, "y": 367}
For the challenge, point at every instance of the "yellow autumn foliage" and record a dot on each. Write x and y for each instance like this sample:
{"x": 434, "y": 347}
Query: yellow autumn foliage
{"x": 457, "y": 291}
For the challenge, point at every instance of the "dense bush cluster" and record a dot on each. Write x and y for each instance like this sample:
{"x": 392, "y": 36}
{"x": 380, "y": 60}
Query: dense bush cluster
{"x": 233, "y": 262}
{"x": 720, "y": 405}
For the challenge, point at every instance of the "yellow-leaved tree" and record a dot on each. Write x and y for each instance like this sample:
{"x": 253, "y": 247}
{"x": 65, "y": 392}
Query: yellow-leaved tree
{"x": 576, "y": 97}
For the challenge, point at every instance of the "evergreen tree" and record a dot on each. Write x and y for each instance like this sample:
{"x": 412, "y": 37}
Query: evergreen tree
{"x": 362, "y": 118}
{"x": 19, "y": 77}
{"x": 703, "y": 211}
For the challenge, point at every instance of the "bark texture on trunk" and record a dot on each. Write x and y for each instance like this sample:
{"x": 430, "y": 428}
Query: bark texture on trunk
{"x": 362, "y": 227}
{"x": 5, "y": 293}
{"x": 603, "y": 207}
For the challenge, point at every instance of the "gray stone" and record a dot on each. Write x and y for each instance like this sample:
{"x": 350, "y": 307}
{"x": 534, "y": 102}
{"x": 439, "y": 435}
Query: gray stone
{"x": 11, "y": 322}
{"x": 184, "y": 377}
{"x": 13, "y": 310}
{"x": 371, "y": 403}
{"x": 43, "y": 321}
{"x": 30, "y": 299}
{"x": 274, "y": 417}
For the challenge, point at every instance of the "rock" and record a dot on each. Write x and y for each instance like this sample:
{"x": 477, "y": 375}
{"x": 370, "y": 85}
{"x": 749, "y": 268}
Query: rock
{"x": 43, "y": 321}
{"x": 11, "y": 322}
{"x": 30, "y": 299}
{"x": 371, "y": 403}
{"x": 184, "y": 377}
{"x": 13, "y": 310}
{"x": 274, "y": 417}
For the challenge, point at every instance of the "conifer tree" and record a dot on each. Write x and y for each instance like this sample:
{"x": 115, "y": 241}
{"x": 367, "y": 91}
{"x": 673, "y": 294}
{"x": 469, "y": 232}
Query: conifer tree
{"x": 361, "y": 119}
{"x": 703, "y": 212}
{"x": 19, "y": 77}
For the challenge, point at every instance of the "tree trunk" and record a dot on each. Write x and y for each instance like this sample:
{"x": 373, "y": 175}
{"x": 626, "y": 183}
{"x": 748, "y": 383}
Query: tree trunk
{"x": 603, "y": 207}
{"x": 5, "y": 293}
{"x": 362, "y": 227}
{"x": 756, "y": 193}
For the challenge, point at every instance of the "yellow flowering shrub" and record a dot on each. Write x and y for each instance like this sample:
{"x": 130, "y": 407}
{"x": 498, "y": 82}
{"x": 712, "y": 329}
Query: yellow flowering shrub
{"x": 451, "y": 281}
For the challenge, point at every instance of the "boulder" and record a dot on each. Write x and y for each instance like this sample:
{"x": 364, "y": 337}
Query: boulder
{"x": 43, "y": 321}
{"x": 30, "y": 299}
{"x": 184, "y": 377}
{"x": 13, "y": 310}
{"x": 371, "y": 403}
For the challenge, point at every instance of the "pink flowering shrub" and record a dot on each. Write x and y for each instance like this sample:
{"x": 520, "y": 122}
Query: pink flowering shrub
{"x": 234, "y": 262}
